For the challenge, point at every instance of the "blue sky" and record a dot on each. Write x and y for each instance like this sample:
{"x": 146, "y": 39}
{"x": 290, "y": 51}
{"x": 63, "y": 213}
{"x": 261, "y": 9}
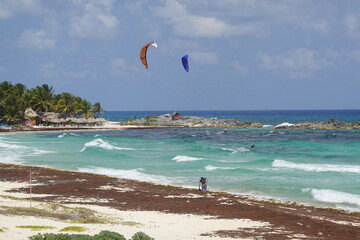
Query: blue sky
{"x": 243, "y": 54}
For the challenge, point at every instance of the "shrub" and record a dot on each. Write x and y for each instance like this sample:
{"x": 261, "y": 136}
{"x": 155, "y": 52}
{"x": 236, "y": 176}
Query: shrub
{"x": 151, "y": 118}
{"x": 107, "y": 235}
{"x": 141, "y": 236}
{"x": 73, "y": 229}
{"x": 36, "y": 227}
{"x": 103, "y": 235}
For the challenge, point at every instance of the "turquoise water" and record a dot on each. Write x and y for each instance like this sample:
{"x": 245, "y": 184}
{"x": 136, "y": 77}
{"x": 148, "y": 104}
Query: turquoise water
{"x": 317, "y": 167}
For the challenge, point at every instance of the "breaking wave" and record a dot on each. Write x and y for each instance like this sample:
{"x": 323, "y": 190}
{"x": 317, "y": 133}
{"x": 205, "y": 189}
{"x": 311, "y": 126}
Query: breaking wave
{"x": 236, "y": 150}
{"x": 185, "y": 159}
{"x": 331, "y": 196}
{"x": 317, "y": 167}
{"x": 99, "y": 143}
{"x": 212, "y": 168}
{"x": 11, "y": 152}
{"x": 133, "y": 174}
{"x": 68, "y": 134}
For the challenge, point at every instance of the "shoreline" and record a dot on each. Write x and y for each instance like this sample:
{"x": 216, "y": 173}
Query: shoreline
{"x": 277, "y": 219}
{"x": 92, "y": 128}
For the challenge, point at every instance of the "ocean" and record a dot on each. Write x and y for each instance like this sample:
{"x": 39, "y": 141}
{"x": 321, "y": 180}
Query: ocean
{"x": 312, "y": 167}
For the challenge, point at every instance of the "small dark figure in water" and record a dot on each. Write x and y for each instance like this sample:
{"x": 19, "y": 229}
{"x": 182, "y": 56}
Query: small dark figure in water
{"x": 203, "y": 184}
{"x": 252, "y": 146}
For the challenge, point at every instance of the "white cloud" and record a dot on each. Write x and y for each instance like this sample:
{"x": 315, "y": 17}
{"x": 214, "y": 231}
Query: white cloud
{"x": 3, "y": 69}
{"x": 300, "y": 59}
{"x": 306, "y": 14}
{"x": 352, "y": 26}
{"x": 240, "y": 68}
{"x": 8, "y": 8}
{"x": 4, "y": 13}
{"x": 119, "y": 65}
{"x": 36, "y": 40}
{"x": 95, "y": 20}
{"x": 204, "y": 58}
{"x": 135, "y": 6}
{"x": 47, "y": 69}
{"x": 193, "y": 26}
{"x": 353, "y": 55}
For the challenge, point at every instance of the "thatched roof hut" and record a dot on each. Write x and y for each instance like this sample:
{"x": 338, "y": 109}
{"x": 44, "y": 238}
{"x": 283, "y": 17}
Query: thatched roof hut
{"x": 30, "y": 113}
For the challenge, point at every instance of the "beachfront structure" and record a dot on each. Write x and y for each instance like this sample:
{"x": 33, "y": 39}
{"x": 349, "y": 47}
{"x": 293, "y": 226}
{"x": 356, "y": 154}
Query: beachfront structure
{"x": 62, "y": 120}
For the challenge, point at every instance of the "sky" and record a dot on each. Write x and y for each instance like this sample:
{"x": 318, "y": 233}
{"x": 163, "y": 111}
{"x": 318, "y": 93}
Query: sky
{"x": 243, "y": 54}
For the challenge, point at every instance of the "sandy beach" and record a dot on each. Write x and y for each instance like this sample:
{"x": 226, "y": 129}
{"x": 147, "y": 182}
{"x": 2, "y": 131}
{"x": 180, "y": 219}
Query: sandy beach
{"x": 162, "y": 212}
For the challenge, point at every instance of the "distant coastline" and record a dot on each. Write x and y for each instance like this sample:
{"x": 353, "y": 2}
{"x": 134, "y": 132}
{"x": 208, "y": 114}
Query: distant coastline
{"x": 169, "y": 121}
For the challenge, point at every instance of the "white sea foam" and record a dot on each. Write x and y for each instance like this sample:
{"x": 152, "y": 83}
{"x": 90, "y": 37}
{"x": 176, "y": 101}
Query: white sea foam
{"x": 285, "y": 124}
{"x": 37, "y": 152}
{"x": 331, "y": 196}
{"x": 317, "y": 167}
{"x": 9, "y": 145}
{"x": 133, "y": 174}
{"x": 99, "y": 143}
{"x": 12, "y": 153}
{"x": 236, "y": 150}
{"x": 181, "y": 158}
{"x": 212, "y": 168}
{"x": 68, "y": 134}
{"x": 267, "y": 126}
{"x": 62, "y": 135}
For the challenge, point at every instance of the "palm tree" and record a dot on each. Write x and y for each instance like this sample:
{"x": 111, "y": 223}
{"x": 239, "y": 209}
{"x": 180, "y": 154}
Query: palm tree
{"x": 14, "y": 99}
{"x": 97, "y": 109}
{"x": 42, "y": 97}
{"x": 11, "y": 112}
{"x": 19, "y": 91}
{"x": 68, "y": 104}
{"x": 87, "y": 109}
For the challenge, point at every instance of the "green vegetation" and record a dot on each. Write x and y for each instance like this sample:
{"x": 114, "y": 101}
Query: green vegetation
{"x": 129, "y": 223}
{"x": 36, "y": 227}
{"x": 15, "y": 99}
{"x": 74, "y": 229}
{"x": 200, "y": 122}
{"x": 151, "y": 118}
{"x": 57, "y": 211}
{"x": 141, "y": 236}
{"x": 185, "y": 118}
{"x": 103, "y": 235}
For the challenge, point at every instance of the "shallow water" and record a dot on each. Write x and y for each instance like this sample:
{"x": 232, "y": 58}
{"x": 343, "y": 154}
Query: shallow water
{"x": 317, "y": 167}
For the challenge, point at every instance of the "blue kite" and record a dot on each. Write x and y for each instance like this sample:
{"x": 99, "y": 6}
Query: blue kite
{"x": 185, "y": 63}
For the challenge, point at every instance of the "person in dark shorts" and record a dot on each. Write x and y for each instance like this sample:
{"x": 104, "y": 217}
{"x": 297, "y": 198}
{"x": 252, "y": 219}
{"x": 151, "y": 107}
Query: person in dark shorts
{"x": 203, "y": 184}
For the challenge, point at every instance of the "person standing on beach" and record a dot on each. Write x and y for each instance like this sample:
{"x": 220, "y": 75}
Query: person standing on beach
{"x": 203, "y": 184}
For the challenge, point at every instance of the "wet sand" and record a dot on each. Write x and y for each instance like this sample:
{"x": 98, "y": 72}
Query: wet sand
{"x": 281, "y": 220}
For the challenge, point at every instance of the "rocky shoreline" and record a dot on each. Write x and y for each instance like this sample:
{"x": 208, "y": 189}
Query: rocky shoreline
{"x": 167, "y": 121}
{"x": 189, "y": 121}
{"x": 331, "y": 124}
